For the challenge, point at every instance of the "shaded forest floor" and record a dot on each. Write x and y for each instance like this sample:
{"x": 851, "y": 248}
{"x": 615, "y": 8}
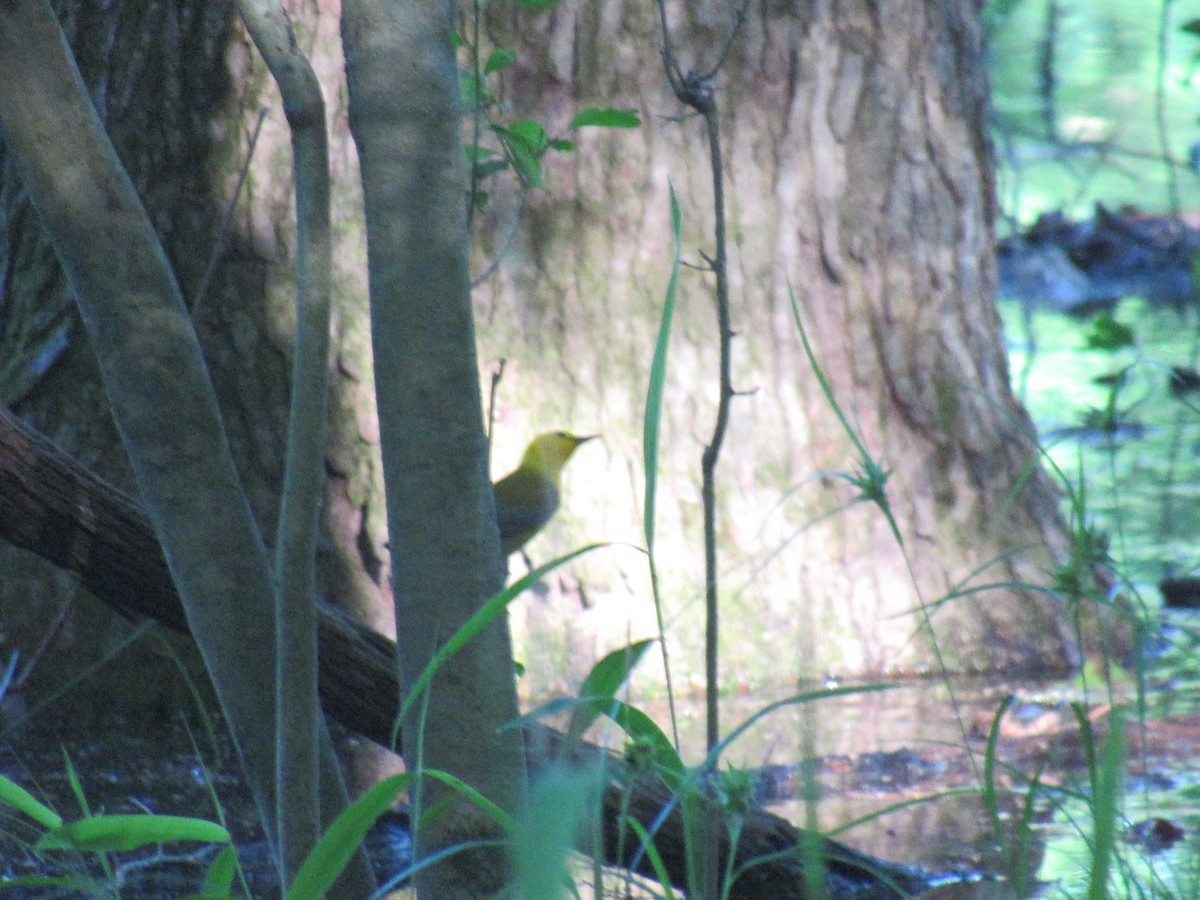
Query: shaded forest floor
{"x": 130, "y": 769}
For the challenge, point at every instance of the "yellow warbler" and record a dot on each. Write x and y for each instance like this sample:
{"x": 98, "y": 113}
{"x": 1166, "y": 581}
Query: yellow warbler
{"x": 527, "y": 497}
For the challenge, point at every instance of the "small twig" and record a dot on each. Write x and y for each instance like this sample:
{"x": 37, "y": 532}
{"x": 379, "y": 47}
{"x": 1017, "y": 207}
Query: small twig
{"x": 227, "y": 222}
{"x": 712, "y": 452}
{"x": 739, "y": 19}
{"x": 670, "y": 61}
{"x": 506, "y": 245}
{"x": 699, "y": 93}
{"x": 477, "y": 112}
{"x": 1047, "y": 70}
{"x": 497, "y": 374}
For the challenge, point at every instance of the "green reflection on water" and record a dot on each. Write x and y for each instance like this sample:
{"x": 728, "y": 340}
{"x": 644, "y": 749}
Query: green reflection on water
{"x": 1105, "y": 119}
{"x": 1170, "y": 873}
{"x": 1144, "y": 487}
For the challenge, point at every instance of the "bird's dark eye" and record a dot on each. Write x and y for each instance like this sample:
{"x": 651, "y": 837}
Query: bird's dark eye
{"x": 563, "y": 435}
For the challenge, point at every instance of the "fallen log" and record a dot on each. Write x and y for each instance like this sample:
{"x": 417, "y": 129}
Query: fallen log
{"x": 52, "y": 506}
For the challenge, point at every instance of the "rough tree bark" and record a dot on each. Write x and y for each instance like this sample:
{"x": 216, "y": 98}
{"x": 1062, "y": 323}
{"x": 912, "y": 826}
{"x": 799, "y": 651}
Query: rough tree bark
{"x": 860, "y": 178}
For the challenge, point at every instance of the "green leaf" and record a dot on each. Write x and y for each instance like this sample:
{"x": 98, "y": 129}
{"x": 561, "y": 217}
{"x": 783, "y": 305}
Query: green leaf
{"x": 602, "y": 683}
{"x": 526, "y": 142}
{"x": 536, "y": 4}
{"x": 489, "y": 167}
{"x": 101, "y": 834}
{"x": 15, "y": 795}
{"x": 1192, "y": 27}
{"x": 338, "y": 844}
{"x": 1106, "y": 333}
{"x": 470, "y": 89}
{"x": 532, "y": 133}
{"x": 476, "y": 154}
{"x": 500, "y": 58}
{"x": 562, "y": 145}
{"x": 606, "y": 117}
{"x": 527, "y": 165}
{"x": 218, "y": 882}
{"x": 610, "y": 673}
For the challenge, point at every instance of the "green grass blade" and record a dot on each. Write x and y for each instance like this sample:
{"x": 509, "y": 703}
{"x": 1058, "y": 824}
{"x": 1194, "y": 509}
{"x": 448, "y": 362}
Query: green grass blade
{"x": 652, "y": 854}
{"x": 76, "y": 785}
{"x": 474, "y": 625}
{"x": 343, "y": 837}
{"x": 658, "y": 377}
{"x": 901, "y": 806}
{"x": 548, "y": 828}
{"x": 498, "y": 815}
{"x": 826, "y": 387}
{"x": 807, "y": 697}
{"x": 218, "y": 881}
{"x": 991, "y": 801}
{"x": 15, "y": 795}
{"x": 1106, "y": 790}
{"x": 115, "y": 833}
{"x": 389, "y": 887}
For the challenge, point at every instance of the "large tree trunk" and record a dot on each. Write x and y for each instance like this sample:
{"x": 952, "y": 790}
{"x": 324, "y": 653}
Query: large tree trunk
{"x": 859, "y": 178}
{"x": 893, "y": 193}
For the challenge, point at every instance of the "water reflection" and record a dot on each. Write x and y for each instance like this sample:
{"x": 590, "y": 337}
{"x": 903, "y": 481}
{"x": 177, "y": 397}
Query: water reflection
{"x": 1143, "y": 487}
{"x": 898, "y": 774}
{"x": 901, "y": 767}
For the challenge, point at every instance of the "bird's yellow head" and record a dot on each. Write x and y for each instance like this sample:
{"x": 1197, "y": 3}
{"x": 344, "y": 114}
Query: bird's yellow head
{"x": 549, "y": 452}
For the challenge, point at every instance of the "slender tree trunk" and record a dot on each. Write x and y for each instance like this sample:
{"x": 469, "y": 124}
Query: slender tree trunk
{"x": 161, "y": 71}
{"x": 441, "y": 514}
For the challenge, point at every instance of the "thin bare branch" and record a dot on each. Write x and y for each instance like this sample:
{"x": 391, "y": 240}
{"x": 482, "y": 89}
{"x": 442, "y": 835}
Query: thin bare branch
{"x": 699, "y": 93}
{"x": 227, "y": 222}
{"x": 510, "y": 236}
{"x": 300, "y": 739}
